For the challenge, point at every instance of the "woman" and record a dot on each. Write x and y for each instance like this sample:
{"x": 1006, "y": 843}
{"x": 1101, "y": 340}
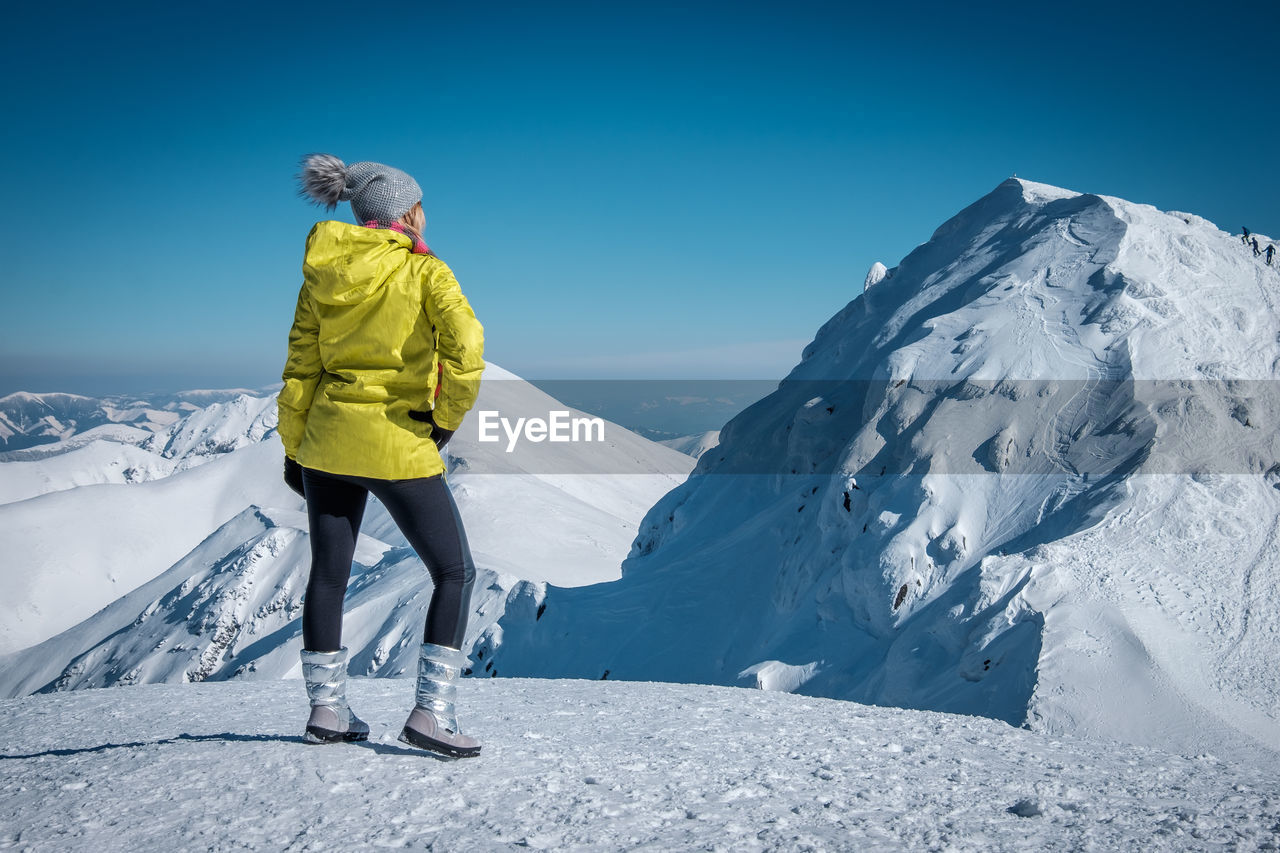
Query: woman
{"x": 385, "y": 357}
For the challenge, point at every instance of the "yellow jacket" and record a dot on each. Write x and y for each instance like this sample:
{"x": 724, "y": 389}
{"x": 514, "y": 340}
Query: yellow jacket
{"x": 373, "y": 321}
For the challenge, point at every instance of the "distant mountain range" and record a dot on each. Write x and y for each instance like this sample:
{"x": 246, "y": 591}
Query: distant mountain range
{"x": 45, "y": 422}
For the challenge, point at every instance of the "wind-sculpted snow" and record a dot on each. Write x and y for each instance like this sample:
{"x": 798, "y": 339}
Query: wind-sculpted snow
{"x": 1029, "y": 474}
{"x": 578, "y": 765}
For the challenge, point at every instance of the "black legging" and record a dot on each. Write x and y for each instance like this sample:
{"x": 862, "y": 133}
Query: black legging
{"x": 424, "y": 511}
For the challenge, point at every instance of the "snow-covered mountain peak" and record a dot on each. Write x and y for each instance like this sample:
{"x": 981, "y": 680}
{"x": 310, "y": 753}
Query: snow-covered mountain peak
{"x": 875, "y": 275}
{"x": 40, "y": 399}
{"x": 220, "y": 427}
{"x": 1034, "y": 282}
{"x": 1029, "y": 468}
{"x": 27, "y": 418}
{"x": 1038, "y": 193}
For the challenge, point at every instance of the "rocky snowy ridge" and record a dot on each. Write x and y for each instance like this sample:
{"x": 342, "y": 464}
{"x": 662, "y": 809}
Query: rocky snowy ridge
{"x": 1027, "y": 474}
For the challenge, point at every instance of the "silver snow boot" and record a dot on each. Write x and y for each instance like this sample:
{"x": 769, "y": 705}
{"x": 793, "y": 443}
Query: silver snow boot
{"x": 325, "y": 674}
{"x": 433, "y": 723}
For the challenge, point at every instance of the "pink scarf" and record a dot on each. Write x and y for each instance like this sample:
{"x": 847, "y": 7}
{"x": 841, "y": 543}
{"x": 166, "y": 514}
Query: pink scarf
{"x": 419, "y": 247}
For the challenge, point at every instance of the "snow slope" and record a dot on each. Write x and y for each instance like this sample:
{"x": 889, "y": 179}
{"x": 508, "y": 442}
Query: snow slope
{"x": 69, "y": 553}
{"x": 694, "y": 445}
{"x": 98, "y": 461}
{"x": 1028, "y": 474}
{"x": 577, "y": 765}
{"x": 212, "y": 585}
{"x": 73, "y": 548}
{"x": 220, "y": 427}
{"x": 130, "y": 434}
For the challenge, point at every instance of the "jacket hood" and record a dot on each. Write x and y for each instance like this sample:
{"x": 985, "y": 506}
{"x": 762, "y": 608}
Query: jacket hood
{"x": 345, "y": 264}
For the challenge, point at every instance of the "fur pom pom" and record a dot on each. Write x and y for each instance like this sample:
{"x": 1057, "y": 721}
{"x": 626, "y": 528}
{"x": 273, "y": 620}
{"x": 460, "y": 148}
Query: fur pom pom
{"x": 324, "y": 179}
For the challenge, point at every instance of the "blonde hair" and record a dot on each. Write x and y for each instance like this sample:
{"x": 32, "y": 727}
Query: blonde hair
{"x": 414, "y": 221}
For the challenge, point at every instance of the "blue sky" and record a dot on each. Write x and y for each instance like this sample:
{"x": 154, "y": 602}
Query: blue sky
{"x": 630, "y": 190}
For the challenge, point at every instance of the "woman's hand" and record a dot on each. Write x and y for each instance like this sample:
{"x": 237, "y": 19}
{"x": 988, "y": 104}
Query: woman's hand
{"x": 439, "y": 435}
{"x": 293, "y": 476}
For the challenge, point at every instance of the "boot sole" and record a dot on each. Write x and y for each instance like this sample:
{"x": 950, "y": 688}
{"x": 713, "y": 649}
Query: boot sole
{"x": 315, "y": 734}
{"x": 421, "y": 741}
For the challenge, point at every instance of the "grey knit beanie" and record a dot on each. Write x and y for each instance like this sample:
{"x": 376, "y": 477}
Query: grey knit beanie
{"x": 376, "y": 192}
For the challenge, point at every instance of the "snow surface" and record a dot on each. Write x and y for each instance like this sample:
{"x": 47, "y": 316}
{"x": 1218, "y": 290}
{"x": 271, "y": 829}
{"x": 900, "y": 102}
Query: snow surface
{"x": 116, "y": 433}
{"x": 69, "y": 553}
{"x": 221, "y": 427}
{"x": 580, "y": 765}
{"x": 97, "y": 461}
{"x": 1030, "y": 474}
{"x": 694, "y": 445}
{"x": 875, "y": 275}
